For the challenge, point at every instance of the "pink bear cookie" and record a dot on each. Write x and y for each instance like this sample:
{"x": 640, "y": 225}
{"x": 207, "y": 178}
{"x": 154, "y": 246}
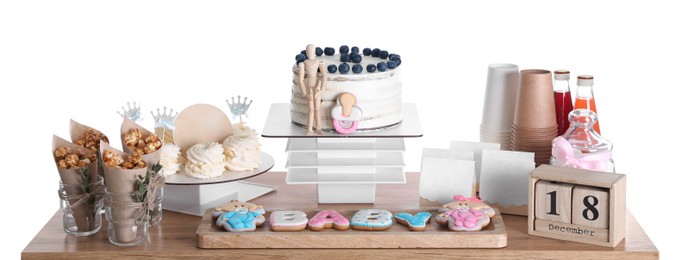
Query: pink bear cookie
{"x": 473, "y": 203}
{"x": 461, "y": 217}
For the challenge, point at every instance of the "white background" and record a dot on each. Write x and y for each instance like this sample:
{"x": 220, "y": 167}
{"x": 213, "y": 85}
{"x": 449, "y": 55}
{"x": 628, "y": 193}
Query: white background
{"x": 84, "y": 59}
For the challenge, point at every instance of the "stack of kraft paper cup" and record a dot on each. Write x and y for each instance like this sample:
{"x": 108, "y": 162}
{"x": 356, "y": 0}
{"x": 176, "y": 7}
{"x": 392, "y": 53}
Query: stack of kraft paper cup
{"x": 535, "y": 124}
{"x": 499, "y": 104}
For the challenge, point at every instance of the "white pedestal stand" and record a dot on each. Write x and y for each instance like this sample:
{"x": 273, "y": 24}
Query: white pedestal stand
{"x": 193, "y": 196}
{"x": 345, "y": 168}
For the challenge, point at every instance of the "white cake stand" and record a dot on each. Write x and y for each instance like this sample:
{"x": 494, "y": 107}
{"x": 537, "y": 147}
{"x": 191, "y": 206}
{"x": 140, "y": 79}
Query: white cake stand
{"x": 345, "y": 168}
{"x": 194, "y": 196}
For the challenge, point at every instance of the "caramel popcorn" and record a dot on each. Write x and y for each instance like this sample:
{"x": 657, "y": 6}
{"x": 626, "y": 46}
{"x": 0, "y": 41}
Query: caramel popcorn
{"x": 67, "y": 159}
{"x": 61, "y": 152}
{"x": 111, "y": 159}
{"x": 134, "y": 140}
{"x": 133, "y": 161}
{"x": 91, "y": 140}
{"x": 132, "y": 137}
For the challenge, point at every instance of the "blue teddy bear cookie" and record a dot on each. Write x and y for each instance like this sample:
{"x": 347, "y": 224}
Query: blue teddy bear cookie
{"x": 238, "y": 216}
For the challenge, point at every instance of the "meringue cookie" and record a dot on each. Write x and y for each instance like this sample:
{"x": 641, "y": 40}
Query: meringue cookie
{"x": 242, "y": 149}
{"x": 169, "y": 159}
{"x": 205, "y": 161}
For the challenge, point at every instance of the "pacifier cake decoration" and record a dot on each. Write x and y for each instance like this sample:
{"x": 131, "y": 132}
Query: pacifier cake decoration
{"x": 346, "y": 114}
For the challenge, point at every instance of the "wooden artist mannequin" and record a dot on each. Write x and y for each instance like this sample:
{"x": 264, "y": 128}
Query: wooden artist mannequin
{"x": 312, "y": 87}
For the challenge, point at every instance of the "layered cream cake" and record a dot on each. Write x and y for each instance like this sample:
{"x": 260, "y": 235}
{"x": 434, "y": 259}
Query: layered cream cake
{"x": 374, "y": 80}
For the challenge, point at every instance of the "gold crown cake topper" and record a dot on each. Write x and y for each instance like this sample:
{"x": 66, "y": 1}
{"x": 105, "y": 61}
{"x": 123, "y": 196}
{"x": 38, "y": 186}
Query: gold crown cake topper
{"x": 165, "y": 120}
{"x": 132, "y": 112}
{"x": 239, "y": 108}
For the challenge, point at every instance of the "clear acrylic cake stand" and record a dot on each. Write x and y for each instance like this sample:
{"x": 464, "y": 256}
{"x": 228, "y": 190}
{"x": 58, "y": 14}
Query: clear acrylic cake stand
{"x": 345, "y": 168}
{"x": 194, "y": 196}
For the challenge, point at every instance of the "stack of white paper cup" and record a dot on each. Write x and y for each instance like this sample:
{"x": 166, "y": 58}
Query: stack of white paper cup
{"x": 500, "y": 104}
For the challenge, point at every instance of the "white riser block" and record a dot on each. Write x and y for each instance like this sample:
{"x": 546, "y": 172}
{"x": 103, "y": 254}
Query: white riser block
{"x": 345, "y": 140}
{"x": 196, "y": 199}
{"x": 349, "y": 155}
{"x": 346, "y": 193}
{"x": 346, "y": 170}
{"x": 310, "y": 160}
{"x": 193, "y": 198}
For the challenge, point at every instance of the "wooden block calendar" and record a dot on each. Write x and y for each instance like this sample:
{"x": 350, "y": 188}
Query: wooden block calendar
{"x": 577, "y": 205}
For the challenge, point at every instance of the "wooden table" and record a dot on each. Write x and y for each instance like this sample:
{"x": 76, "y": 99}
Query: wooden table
{"x": 176, "y": 238}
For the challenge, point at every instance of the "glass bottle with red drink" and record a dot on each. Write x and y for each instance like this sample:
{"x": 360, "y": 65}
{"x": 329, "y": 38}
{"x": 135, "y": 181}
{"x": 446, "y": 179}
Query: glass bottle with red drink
{"x": 563, "y": 102}
{"x": 584, "y": 96}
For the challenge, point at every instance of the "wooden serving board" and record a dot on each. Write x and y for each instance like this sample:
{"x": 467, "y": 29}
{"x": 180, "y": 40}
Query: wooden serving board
{"x": 398, "y": 236}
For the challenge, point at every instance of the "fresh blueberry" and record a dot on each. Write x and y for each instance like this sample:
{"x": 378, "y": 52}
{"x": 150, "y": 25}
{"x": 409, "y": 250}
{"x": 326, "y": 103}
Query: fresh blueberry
{"x": 371, "y": 68}
{"x": 383, "y": 54}
{"x": 303, "y": 52}
{"x": 357, "y": 68}
{"x": 300, "y": 56}
{"x": 343, "y": 49}
{"x": 299, "y": 61}
{"x": 329, "y": 51}
{"x": 392, "y": 64}
{"x": 354, "y": 49}
{"x": 344, "y": 68}
{"x": 356, "y": 58}
{"x": 318, "y": 51}
{"x": 390, "y": 56}
{"x": 375, "y": 52}
{"x": 366, "y": 51}
{"x": 397, "y": 60}
{"x": 345, "y": 57}
{"x": 382, "y": 66}
{"x": 331, "y": 68}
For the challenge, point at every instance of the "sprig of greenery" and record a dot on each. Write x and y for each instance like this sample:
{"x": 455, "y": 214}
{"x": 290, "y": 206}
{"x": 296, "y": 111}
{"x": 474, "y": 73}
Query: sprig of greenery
{"x": 142, "y": 183}
{"x": 85, "y": 183}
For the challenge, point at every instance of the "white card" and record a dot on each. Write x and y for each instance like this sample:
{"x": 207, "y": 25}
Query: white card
{"x": 476, "y": 148}
{"x": 448, "y": 154}
{"x": 504, "y": 177}
{"x": 441, "y": 179}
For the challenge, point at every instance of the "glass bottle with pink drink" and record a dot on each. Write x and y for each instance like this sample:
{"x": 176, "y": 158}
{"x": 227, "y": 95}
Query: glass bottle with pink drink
{"x": 585, "y": 96}
{"x": 563, "y": 102}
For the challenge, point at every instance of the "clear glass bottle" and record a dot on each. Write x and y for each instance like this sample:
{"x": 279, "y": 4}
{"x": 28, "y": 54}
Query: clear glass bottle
{"x": 584, "y": 96}
{"x": 563, "y": 102}
{"x": 591, "y": 149}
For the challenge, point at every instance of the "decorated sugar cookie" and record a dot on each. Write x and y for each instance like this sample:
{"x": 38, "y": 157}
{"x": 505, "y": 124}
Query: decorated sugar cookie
{"x": 473, "y": 203}
{"x": 238, "y": 216}
{"x": 372, "y": 220}
{"x": 414, "y": 223}
{"x": 463, "y": 218}
{"x": 328, "y": 219}
{"x": 286, "y": 220}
